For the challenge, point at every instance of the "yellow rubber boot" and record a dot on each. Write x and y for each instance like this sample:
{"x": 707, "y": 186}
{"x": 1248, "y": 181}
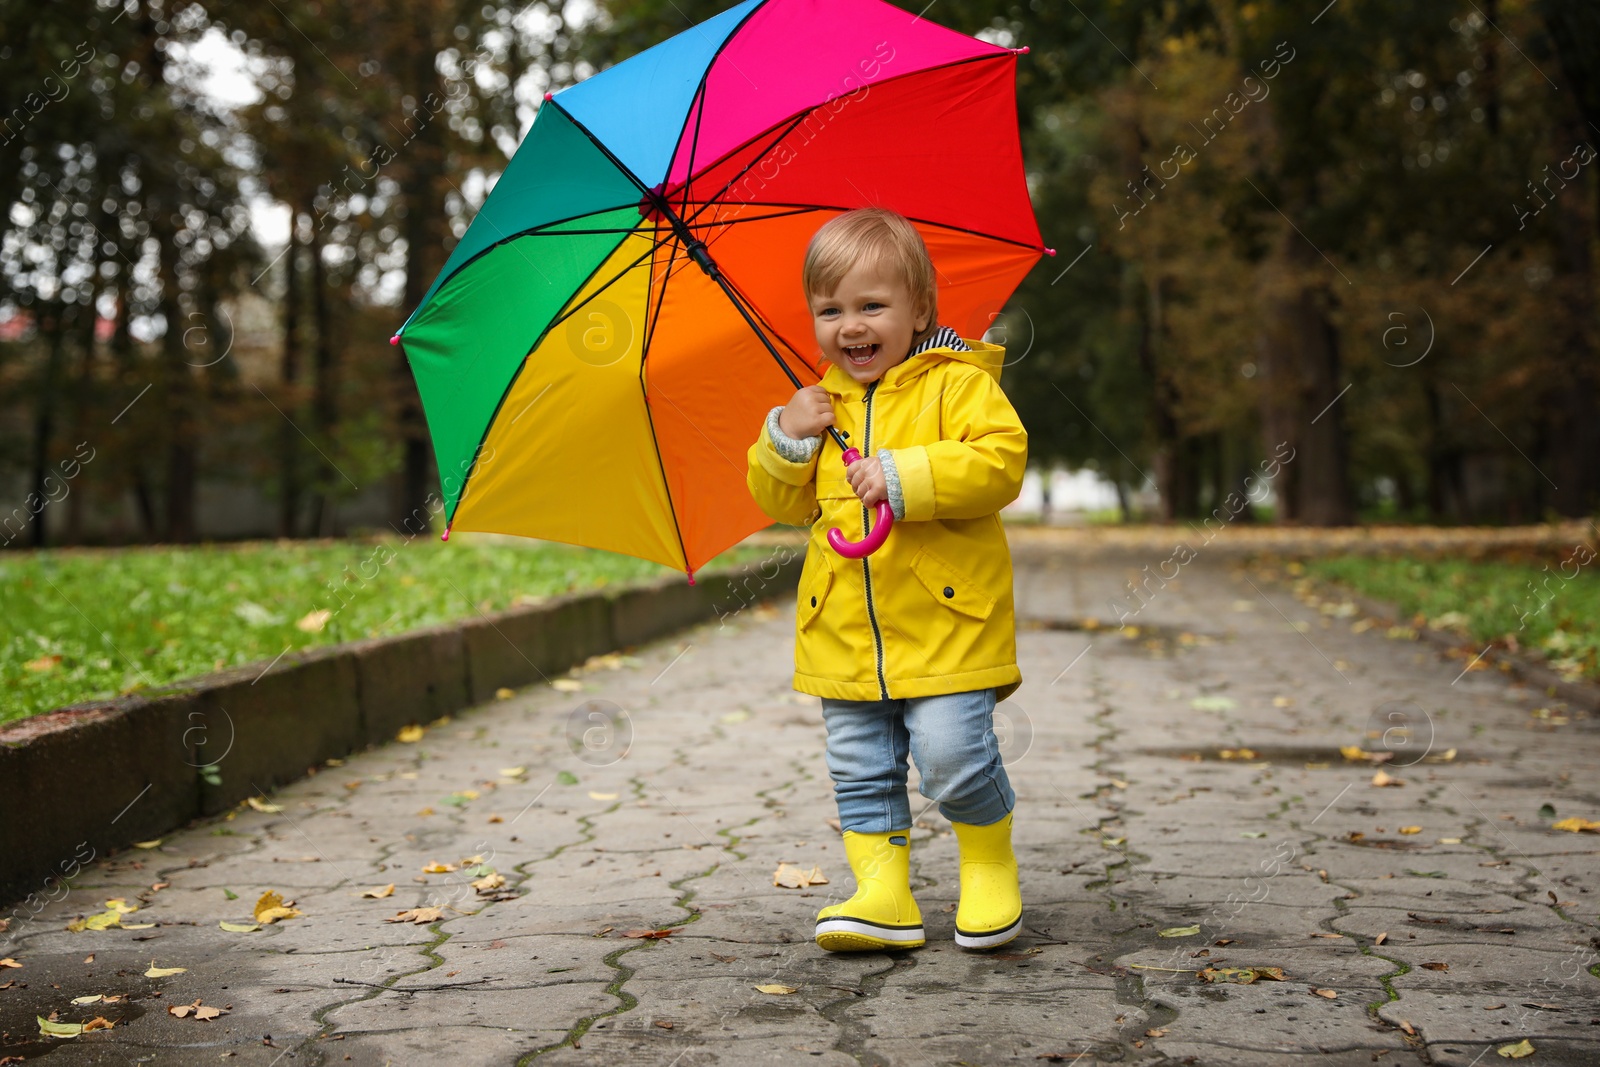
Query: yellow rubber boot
{"x": 990, "y": 912}
{"x": 882, "y": 913}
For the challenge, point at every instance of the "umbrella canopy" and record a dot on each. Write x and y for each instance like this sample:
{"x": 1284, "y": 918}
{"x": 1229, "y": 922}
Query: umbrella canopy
{"x": 586, "y": 378}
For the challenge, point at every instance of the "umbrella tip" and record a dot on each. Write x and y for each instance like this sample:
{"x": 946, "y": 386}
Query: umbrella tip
{"x": 394, "y": 339}
{"x": 1020, "y": 51}
{"x": 1049, "y": 251}
{"x": 549, "y": 96}
{"x": 690, "y": 572}
{"x": 446, "y": 535}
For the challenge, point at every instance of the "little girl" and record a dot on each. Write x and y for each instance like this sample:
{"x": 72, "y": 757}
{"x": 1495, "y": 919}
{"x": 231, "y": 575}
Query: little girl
{"x": 910, "y": 647}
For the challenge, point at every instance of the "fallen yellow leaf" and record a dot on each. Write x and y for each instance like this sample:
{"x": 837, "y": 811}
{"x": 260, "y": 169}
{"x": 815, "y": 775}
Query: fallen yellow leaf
{"x": 417, "y": 915}
{"x": 240, "y": 928}
{"x": 778, "y": 990}
{"x": 99, "y": 1022}
{"x": 1411, "y": 829}
{"x": 264, "y": 806}
{"x": 601, "y": 796}
{"x": 163, "y": 972}
{"x": 789, "y": 876}
{"x": 567, "y": 685}
{"x": 1327, "y": 994}
{"x": 50, "y": 1028}
{"x": 9, "y": 962}
{"x": 489, "y": 883}
{"x": 1576, "y": 825}
{"x": 380, "y": 892}
{"x": 438, "y": 868}
{"x": 1517, "y": 1051}
{"x": 272, "y": 907}
{"x": 1179, "y": 931}
{"x": 148, "y": 844}
{"x": 504, "y": 694}
{"x": 1385, "y": 778}
{"x": 513, "y": 772}
{"x": 121, "y": 906}
{"x": 409, "y": 735}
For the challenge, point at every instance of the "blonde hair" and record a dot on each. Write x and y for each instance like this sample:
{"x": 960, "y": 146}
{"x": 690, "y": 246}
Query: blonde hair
{"x": 876, "y": 235}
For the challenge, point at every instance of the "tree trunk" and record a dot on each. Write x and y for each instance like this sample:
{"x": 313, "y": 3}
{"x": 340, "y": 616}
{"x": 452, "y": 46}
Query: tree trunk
{"x": 423, "y": 258}
{"x": 1177, "y": 469}
{"x": 1300, "y": 370}
{"x": 53, "y": 333}
{"x": 288, "y": 437}
{"x": 134, "y": 385}
{"x": 325, "y": 399}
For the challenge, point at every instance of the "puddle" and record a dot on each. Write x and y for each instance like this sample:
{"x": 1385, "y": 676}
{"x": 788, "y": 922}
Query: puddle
{"x": 21, "y": 1007}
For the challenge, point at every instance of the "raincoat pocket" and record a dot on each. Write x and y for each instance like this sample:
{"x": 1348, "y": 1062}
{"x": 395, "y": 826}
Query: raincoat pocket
{"x": 814, "y": 586}
{"x": 950, "y": 586}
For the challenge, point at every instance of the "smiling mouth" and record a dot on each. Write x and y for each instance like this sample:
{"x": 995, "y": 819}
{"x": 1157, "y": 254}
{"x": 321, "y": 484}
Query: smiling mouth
{"x": 861, "y": 355}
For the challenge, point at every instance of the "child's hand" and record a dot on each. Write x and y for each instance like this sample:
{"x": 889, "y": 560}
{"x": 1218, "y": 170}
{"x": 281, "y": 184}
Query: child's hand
{"x": 866, "y": 478}
{"x": 807, "y": 413}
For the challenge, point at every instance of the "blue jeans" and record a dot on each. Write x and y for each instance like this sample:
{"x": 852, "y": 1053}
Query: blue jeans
{"x": 951, "y": 736}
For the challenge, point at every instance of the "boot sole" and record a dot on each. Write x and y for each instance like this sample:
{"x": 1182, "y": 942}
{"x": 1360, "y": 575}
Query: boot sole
{"x": 992, "y": 939}
{"x": 861, "y": 935}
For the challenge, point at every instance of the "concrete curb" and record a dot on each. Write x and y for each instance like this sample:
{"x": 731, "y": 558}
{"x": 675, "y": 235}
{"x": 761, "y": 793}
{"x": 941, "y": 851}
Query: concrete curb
{"x": 83, "y": 781}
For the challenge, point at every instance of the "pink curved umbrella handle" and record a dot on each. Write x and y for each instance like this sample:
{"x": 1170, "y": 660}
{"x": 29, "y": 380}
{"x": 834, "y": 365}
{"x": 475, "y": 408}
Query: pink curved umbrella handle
{"x": 880, "y": 528}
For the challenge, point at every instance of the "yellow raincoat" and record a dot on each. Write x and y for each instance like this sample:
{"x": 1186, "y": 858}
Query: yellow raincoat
{"x": 931, "y": 611}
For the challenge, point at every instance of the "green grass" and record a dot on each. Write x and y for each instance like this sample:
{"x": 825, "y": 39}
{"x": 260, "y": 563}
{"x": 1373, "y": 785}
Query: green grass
{"x": 90, "y": 624}
{"x": 1553, "y": 607}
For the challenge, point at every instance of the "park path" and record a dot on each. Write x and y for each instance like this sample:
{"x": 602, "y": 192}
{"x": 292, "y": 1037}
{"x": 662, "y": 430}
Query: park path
{"x": 663, "y": 793}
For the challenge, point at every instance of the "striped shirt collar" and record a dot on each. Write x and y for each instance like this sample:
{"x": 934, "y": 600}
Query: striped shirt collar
{"x": 943, "y": 337}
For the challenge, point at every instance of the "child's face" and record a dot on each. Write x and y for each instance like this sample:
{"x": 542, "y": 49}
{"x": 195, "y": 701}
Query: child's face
{"x": 866, "y": 325}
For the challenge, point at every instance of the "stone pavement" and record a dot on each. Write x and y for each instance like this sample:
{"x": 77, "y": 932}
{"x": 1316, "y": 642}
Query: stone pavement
{"x": 1185, "y": 774}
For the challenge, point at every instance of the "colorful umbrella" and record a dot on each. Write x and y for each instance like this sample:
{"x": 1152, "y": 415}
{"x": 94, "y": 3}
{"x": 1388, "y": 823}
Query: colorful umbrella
{"x": 599, "y": 350}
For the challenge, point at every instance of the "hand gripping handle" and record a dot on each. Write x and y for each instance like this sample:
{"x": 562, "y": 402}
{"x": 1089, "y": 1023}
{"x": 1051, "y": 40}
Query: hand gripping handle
{"x": 884, "y": 520}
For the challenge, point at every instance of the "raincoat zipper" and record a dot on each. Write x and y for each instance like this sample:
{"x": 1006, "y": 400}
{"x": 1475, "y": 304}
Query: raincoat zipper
{"x": 866, "y": 568}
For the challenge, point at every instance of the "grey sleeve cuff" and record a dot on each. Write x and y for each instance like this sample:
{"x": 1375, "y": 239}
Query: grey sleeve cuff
{"x": 793, "y": 449}
{"x": 891, "y": 480}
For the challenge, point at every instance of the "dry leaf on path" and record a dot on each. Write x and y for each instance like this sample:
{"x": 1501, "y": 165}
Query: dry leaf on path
{"x": 272, "y": 907}
{"x": 1179, "y": 931}
{"x": 1576, "y": 825}
{"x": 438, "y": 868}
{"x": 789, "y": 876}
{"x": 197, "y": 1009}
{"x": 489, "y": 883}
{"x": 148, "y": 844}
{"x": 1240, "y": 975}
{"x": 99, "y": 1022}
{"x": 1328, "y": 994}
{"x": 1411, "y": 829}
{"x": 380, "y": 892}
{"x": 163, "y": 972}
{"x": 778, "y": 990}
{"x": 9, "y": 962}
{"x": 1517, "y": 1051}
{"x": 652, "y": 935}
{"x": 265, "y": 807}
{"x": 1385, "y": 778}
{"x": 601, "y": 796}
{"x": 409, "y": 735}
{"x": 240, "y": 928}
{"x": 417, "y": 915}
{"x": 567, "y": 685}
